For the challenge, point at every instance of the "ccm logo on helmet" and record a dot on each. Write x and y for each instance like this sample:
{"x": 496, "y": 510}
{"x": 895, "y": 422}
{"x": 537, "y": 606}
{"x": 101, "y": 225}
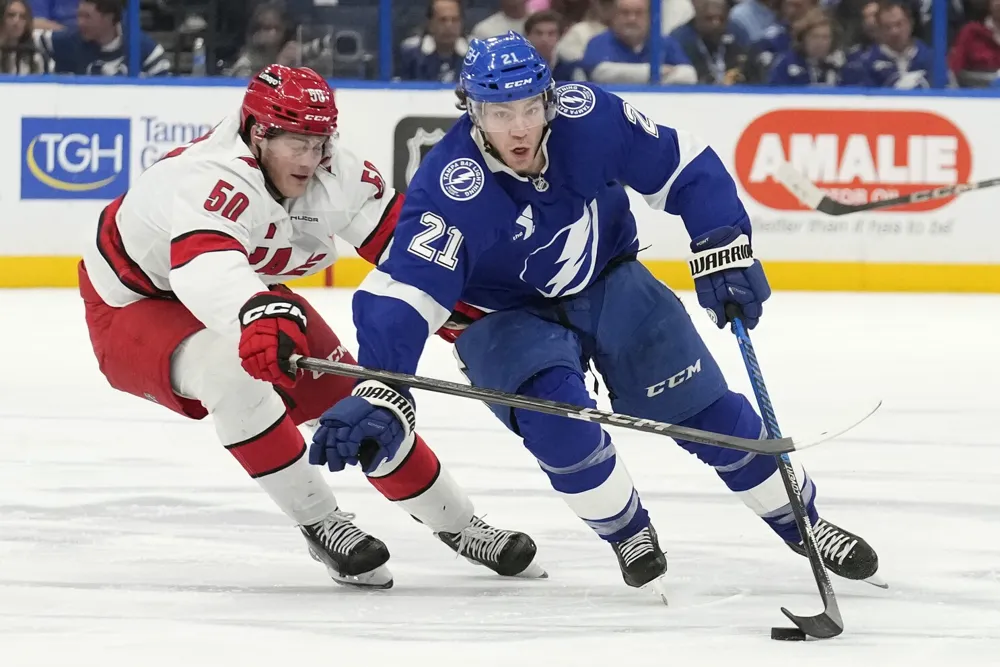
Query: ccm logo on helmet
{"x": 518, "y": 84}
{"x": 322, "y": 119}
{"x": 274, "y": 309}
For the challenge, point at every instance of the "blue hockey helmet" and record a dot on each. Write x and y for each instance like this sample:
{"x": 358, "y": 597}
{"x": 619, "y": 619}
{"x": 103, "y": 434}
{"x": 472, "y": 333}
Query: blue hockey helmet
{"x": 504, "y": 69}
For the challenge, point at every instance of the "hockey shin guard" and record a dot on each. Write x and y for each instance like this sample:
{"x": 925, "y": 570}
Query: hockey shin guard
{"x": 754, "y": 478}
{"x": 580, "y": 459}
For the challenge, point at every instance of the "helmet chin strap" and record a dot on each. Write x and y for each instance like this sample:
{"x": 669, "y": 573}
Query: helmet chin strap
{"x": 496, "y": 154}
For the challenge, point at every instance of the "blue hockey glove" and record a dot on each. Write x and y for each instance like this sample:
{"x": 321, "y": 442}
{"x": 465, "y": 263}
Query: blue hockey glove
{"x": 725, "y": 272}
{"x": 365, "y": 429}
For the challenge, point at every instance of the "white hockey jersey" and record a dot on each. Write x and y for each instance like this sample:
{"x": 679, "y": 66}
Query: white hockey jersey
{"x": 201, "y": 227}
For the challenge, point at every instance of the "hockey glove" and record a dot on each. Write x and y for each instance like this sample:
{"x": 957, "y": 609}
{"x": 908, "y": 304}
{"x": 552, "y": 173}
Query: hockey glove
{"x": 458, "y": 321}
{"x": 724, "y": 272}
{"x": 366, "y": 428}
{"x": 273, "y": 329}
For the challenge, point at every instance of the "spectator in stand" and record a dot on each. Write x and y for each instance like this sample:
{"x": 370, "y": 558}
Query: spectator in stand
{"x": 270, "y": 39}
{"x": 754, "y": 17}
{"x": 543, "y": 30}
{"x": 573, "y": 44}
{"x": 975, "y": 58}
{"x": 437, "y": 53}
{"x": 17, "y": 50}
{"x": 814, "y": 59}
{"x": 54, "y": 14}
{"x": 511, "y": 16}
{"x": 621, "y": 53}
{"x": 863, "y": 35}
{"x": 778, "y": 38}
{"x": 98, "y": 45}
{"x": 718, "y": 50}
{"x": 572, "y": 11}
{"x": 899, "y": 60}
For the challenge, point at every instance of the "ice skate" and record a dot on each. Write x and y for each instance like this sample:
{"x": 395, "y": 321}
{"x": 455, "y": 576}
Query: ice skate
{"x": 643, "y": 563}
{"x": 844, "y": 553}
{"x": 506, "y": 552}
{"x": 351, "y": 556}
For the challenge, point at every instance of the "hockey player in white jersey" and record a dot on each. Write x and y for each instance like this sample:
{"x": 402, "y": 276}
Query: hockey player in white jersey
{"x": 184, "y": 276}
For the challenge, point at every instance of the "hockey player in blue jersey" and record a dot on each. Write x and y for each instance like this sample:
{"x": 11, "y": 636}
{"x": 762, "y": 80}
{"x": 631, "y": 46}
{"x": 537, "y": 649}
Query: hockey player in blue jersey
{"x": 517, "y": 240}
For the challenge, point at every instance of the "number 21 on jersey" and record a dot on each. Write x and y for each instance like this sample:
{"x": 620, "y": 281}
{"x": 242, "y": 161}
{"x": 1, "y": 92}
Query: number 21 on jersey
{"x": 435, "y": 228}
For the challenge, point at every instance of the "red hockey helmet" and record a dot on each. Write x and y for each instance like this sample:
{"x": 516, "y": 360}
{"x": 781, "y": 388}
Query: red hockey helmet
{"x": 294, "y": 99}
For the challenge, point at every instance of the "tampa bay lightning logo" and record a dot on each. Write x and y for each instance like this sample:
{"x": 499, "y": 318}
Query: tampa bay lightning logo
{"x": 575, "y": 100}
{"x": 462, "y": 179}
{"x": 566, "y": 264}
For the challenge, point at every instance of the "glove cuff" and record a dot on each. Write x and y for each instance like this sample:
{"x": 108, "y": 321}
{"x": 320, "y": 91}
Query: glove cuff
{"x": 384, "y": 396}
{"x": 737, "y": 254}
{"x": 269, "y": 304}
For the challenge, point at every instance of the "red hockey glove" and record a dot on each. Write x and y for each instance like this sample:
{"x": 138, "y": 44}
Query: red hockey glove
{"x": 274, "y": 328}
{"x": 460, "y": 318}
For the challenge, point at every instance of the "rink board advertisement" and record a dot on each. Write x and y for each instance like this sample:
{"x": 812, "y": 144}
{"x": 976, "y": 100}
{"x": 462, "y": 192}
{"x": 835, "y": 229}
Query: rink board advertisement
{"x": 69, "y": 149}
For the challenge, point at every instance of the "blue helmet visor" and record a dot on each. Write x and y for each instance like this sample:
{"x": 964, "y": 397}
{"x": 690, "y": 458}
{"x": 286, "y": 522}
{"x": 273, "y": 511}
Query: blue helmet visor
{"x": 511, "y": 116}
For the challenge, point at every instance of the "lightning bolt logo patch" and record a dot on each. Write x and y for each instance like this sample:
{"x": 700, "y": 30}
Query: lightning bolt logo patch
{"x": 462, "y": 179}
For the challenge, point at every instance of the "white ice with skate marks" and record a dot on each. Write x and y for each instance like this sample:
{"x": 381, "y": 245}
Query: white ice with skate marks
{"x": 128, "y": 536}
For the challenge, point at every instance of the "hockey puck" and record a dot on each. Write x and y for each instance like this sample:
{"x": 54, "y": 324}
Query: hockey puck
{"x": 788, "y": 634}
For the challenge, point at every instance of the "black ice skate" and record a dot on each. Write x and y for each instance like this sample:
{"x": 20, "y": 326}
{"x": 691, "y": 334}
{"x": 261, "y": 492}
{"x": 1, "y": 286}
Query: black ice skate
{"x": 351, "y": 556}
{"x": 643, "y": 563}
{"x": 844, "y": 553}
{"x": 506, "y": 552}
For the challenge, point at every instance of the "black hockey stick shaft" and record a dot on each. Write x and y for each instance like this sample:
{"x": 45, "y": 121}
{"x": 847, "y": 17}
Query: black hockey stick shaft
{"x": 812, "y": 196}
{"x": 829, "y": 622}
{"x": 492, "y": 396}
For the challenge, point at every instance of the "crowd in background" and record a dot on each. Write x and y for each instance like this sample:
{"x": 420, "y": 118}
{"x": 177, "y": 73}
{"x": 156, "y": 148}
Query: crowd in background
{"x": 876, "y": 43}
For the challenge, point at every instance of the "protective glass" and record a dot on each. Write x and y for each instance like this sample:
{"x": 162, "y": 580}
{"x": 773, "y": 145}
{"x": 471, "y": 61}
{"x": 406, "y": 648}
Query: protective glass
{"x": 517, "y": 115}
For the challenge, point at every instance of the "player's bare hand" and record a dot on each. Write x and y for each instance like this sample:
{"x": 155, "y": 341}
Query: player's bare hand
{"x": 273, "y": 329}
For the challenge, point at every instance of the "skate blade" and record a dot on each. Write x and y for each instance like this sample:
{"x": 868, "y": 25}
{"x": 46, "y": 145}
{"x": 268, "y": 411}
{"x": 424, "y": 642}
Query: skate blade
{"x": 877, "y": 580}
{"x": 658, "y": 587}
{"x": 378, "y": 579}
{"x": 533, "y": 571}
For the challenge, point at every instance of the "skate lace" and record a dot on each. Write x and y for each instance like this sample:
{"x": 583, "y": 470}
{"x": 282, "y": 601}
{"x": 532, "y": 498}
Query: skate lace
{"x": 338, "y": 534}
{"x": 481, "y": 541}
{"x": 635, "y": 547}
{"x": 833, "y": 543}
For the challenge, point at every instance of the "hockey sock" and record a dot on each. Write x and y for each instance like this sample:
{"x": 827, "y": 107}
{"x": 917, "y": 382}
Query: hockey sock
{"x": 580, "y": 459}
{"x": 753, "y": 477}
{"x": 276, "y": 459}
{"x": 415, "y": 480}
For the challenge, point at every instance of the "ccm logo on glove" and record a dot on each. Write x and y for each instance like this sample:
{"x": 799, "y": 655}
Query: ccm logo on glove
{"x": 274, "y": 309}
{"x": 273, "y": 329}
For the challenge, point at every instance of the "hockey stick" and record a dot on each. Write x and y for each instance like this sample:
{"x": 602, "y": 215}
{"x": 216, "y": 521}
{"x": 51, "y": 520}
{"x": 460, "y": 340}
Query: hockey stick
{"x": 767, "y": 447}
{"x": 829, "y": 623}
{"x": 813, "y": 197}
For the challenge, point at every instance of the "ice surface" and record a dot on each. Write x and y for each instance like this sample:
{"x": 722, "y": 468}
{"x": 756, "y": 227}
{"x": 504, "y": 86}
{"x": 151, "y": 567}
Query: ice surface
{"x": 129, "y": 536}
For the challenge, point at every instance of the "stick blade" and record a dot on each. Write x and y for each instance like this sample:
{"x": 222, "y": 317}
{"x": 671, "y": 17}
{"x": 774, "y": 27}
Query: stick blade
{"x": 801, "y": 442}
{"x": 821, "y": 626}
{"x": 800, "y": 186}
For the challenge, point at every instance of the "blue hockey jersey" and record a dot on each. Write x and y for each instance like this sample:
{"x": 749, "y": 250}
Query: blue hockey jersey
{"x": 884, "y": 68}
{"x": 794, "y": 69}
{"x": 777, "y": 40}
{"x": 472, "y": 230}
